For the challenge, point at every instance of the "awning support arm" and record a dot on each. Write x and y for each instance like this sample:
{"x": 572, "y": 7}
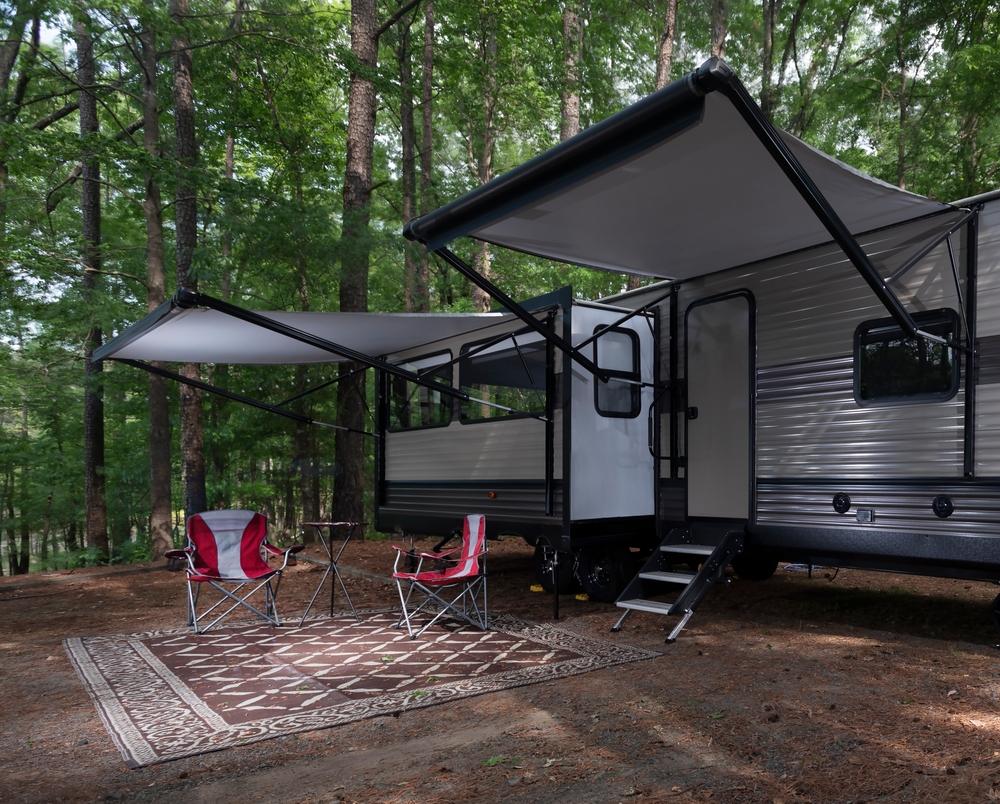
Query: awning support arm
{"x": 927, "y": 249}
{"x": 213, "y": 389}
{"x": 320, "y": 387}
{"x": 190, "y": 298}
{"x": 476, "y": 278}
{"x": 717, "y": 75}
{"x": 623, "y": 319}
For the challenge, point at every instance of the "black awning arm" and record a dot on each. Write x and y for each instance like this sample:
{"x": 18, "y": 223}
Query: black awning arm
{"x": 320, "y": 387}
{"x": 927, "y": 249}
{"x": 214, "y": 389}
{"x": 715, "y": 74}
{"x": 624, "y": 318}
{"x": 190, "y": 298}
{"x": 477, "y": 279}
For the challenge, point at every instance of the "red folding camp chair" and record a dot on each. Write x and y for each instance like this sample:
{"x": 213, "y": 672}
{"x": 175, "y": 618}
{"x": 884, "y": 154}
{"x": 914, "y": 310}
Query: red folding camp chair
{"x": 438, "y": 572}
{"x": 228, "y": 547}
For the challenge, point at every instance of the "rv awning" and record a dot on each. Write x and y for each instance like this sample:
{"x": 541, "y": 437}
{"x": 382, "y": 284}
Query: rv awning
{"x": 676, "y": 186}
{"x": 172, "y": 333}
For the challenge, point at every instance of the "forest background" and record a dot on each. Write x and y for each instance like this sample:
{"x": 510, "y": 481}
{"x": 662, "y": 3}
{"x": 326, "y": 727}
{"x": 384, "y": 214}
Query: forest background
{"x": 268, "y": 152}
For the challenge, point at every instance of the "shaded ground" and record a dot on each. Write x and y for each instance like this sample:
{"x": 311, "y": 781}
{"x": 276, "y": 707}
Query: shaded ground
{"x": 847, "y": 688}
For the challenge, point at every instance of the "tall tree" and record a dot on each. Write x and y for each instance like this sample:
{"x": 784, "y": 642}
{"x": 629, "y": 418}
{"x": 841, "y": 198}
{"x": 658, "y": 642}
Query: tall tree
{"x": 488, "y": 54}
{"x": 90, "y": 206}
{"x": 348, "y": 495}
{"x": 720, "y": 27}
{"x": 572, "y": 56}
{"x": 665, "y": 52}
{"x": 186, "y": 225}
{"x": 423, "y": 290}
{"x": 408, "y": 137}
{"x": 160, "y": 514}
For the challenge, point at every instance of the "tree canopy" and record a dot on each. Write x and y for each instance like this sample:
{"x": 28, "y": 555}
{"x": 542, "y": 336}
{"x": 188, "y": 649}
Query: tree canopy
{"x": 231, "y": 128}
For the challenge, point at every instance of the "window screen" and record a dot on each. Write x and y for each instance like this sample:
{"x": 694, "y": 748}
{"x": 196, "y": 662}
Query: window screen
{"x": 412, "y": 405}
{"x": 504, "y": 374}
{"x": 892, "y": 368}
{"x": 617, "y": 351}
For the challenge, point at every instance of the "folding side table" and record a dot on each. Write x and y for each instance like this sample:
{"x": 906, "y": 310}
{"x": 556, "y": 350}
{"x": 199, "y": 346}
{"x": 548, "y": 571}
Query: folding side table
{"x": 349, "y": 529}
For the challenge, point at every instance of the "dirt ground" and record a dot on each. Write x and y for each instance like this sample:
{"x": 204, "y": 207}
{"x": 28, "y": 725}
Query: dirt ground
{"x": 845, "y": 687}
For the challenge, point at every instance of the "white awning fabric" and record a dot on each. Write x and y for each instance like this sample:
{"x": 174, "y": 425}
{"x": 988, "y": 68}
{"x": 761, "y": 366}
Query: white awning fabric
{"x": 199, "y": 335}
{"x": 707, "y": 199}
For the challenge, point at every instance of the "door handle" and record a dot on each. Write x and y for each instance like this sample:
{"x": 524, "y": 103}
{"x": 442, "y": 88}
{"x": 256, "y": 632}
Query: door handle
{"x": 692, "y": 413}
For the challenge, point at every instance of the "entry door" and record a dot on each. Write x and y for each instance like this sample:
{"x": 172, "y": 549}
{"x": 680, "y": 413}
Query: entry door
{"x": 718, "y": 365}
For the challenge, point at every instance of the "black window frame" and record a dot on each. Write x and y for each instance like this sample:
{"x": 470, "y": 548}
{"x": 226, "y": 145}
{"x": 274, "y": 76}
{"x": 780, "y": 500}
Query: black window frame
{"x": 944, "y": 322}
{"x": 448, "y": 402}
{"x": 635, "y": 375}
{"x": 502, "y": 415}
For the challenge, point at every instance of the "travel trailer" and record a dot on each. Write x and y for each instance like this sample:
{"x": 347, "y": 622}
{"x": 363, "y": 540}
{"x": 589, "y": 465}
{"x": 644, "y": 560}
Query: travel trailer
{"x": 816, "y": 377}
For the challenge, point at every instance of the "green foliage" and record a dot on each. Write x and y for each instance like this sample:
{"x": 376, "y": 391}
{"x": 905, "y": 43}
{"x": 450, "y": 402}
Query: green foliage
{"x": 908, "y": 90}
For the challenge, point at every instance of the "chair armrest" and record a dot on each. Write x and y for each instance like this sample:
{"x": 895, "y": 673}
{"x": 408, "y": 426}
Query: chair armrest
{"x": 280, "y": 551}
{"x": 425, "y": 555}
{"x": 181, "y": 554}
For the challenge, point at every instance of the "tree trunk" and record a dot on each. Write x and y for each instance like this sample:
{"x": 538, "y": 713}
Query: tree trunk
{"x": 770, "y": 9}
{"x": 186, "y": 214}
{"x": 12, "y": 551}
{"x": 348, "y": 497}
{"x": 93, "y": 395}
{"x": 423, "y": 294}
{"x": 665, "y": 55}
{"x": 572, "y": 55}
{"x": 488, "y": 53}
{"x": 408, "y": 137}
{"x": 720, "y": 22}
{"x": 903, "y": 104}
{"x": 160, "y": 525}
{"x": 9, "y": 49}
{"x": 23, "y": 552}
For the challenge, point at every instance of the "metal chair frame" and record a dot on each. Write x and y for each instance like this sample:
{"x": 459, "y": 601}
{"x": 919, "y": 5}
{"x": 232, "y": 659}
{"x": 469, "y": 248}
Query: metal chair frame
{"x": 196, "y": 577}
{"x": 432, "y": 582}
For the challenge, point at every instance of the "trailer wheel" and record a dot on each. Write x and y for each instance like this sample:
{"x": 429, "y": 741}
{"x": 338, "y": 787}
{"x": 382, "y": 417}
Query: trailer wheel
{"x": 753, "y": 565}
{"x": 604, "y": 572}
{"x": 543, "y": 569}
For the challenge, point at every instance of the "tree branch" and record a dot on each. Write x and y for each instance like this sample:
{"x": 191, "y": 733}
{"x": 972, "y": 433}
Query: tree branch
{"x": 397, "y": 14}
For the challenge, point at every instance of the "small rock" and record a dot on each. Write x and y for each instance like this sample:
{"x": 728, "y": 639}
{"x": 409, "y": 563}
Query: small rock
{"x": 115, "y": 795}
{"x": 84, "y": 741}
{"x": 513, "y": 780}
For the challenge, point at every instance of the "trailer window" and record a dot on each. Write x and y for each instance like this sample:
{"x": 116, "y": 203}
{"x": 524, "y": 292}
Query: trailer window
{"x": 509, "y": 378}
{"x": 892, "y": 368}
{"x": 617, "y": 352}
{"x": 412, "y": 405}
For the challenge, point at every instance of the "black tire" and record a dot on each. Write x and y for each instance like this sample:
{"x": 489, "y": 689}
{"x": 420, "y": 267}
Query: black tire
{"x": 754, "y": 565}
{"x": 543, "y": 569}
{"x": 604, "y": 572}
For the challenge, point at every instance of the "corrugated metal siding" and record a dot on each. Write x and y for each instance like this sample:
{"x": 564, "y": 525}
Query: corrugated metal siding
{"x": 897, "y": 508}
{"x": 988, "y": 430}
{"x": 506, "y": 448}
{"x": 988, "y": 275}
{"x": 809, "y": 424}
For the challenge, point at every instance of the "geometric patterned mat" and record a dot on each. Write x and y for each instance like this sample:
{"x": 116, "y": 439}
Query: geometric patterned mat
{"x": 164, "y": 695}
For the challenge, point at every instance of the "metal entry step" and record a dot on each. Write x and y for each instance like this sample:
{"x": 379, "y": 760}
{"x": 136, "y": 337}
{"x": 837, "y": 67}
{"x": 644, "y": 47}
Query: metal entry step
{"x": 668, "y": 577}
{"x": 688, "y": 549}
{"x": 658, "y": 572}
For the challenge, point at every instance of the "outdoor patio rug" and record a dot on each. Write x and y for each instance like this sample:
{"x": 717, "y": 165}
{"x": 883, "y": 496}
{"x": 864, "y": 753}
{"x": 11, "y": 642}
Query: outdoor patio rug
{"x": 169, "y": 694}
